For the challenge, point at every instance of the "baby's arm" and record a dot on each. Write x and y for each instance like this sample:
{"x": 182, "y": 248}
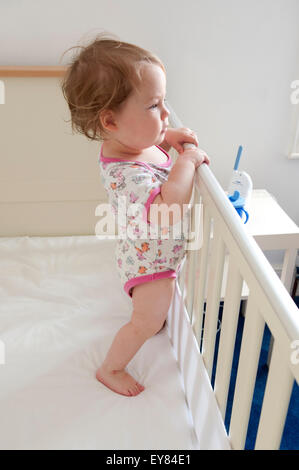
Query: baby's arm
{"x": 178, "y": 188}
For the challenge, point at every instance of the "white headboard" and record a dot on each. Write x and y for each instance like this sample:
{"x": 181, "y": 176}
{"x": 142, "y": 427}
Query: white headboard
{"x": 50, "y": 180}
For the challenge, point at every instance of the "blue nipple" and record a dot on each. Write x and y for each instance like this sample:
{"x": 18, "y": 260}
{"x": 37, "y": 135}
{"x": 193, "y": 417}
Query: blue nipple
{"x": 238, "y": 203}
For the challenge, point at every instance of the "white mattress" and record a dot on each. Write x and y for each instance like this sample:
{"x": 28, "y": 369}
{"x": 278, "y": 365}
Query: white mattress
{"x": 60, "y": 306}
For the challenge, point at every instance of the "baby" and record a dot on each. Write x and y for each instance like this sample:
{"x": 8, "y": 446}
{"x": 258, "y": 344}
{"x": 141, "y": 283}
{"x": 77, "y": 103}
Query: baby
{"x": 116, "y": 94}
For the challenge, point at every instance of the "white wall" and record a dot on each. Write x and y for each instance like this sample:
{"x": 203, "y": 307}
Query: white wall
{"x": 230, "y": 65}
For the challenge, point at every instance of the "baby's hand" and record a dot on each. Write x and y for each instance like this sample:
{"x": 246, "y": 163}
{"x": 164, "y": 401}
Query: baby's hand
{"x": 177, "y": 137}
{"x": 196, "y": 155}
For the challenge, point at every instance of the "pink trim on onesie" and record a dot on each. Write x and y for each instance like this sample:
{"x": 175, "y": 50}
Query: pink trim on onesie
{"x": 148, "y": 278}
{"x": 148, "y": 203}
{"x": 111, "y": 160}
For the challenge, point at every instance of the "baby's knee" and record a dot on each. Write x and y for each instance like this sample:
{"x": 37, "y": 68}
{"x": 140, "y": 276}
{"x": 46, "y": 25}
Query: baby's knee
{"x": 148, "y": 327}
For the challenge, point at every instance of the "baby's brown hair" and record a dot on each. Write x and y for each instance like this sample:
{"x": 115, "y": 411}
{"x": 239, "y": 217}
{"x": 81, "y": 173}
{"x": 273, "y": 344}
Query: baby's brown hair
{"x": 101, "y": 77}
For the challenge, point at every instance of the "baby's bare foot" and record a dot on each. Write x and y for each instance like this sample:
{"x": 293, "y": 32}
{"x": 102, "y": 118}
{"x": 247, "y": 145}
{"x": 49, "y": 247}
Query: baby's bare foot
{"x": 119, "y": 381}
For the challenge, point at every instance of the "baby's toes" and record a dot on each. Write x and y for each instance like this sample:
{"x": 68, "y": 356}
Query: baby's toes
{"x": 136, "y": 389}
{"x": 132, "y": 391}
{"x": 140, "y": 387}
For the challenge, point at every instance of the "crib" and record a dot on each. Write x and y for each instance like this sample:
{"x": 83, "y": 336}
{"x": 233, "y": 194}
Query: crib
{"x": 227, "y": 264}
{"x": 59, "y": 311}
{"x": 230, "y": 261}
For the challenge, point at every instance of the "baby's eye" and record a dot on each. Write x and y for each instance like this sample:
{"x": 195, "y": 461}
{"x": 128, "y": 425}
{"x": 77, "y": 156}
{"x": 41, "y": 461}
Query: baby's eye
{"x": 157, "y": 104}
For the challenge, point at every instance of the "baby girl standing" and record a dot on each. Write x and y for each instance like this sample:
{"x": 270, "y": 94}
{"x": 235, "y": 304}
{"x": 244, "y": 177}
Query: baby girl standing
{"x": 116, "y": 93}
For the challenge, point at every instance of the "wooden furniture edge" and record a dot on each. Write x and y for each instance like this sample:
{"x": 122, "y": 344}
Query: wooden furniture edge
{"x": 32, "y": 71}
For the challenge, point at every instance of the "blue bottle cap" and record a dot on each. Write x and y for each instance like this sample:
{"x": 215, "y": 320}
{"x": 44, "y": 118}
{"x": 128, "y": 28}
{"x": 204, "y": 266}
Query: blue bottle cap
{"x": 238, "y": 203}
{"x": 236, "y": 200}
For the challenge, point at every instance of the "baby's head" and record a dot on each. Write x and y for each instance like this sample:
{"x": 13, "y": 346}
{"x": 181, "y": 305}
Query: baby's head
{"x": 99, "y": 80}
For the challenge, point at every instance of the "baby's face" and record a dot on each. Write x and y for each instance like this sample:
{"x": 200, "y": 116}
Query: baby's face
{"x": 143, "y": 119}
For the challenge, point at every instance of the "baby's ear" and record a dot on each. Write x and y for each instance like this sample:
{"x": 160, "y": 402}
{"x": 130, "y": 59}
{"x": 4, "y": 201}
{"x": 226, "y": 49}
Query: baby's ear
{"x": 107, "y": 119}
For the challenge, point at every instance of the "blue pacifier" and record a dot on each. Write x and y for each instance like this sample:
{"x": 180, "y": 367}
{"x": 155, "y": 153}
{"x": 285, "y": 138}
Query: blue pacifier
{"x": 238, "y": 203}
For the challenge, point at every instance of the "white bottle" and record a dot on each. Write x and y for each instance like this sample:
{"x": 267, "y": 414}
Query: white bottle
{"x": 240, "y": 181}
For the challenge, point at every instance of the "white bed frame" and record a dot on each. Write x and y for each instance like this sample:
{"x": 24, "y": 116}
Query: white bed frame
{"x": 33, "y": 208}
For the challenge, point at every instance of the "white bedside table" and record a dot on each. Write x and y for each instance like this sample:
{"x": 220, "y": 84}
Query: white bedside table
{"x": 273, "y": 229}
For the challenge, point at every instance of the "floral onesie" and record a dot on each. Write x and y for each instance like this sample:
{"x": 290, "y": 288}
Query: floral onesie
{"x": 141, "y": 255}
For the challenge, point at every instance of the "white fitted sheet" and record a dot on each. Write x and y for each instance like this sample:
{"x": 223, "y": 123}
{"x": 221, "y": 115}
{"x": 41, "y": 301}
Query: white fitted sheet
{"x": 60, "y": 306}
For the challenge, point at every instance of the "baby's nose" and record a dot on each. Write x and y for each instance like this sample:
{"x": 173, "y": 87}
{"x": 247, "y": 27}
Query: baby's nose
{"x": 165, "y": 114}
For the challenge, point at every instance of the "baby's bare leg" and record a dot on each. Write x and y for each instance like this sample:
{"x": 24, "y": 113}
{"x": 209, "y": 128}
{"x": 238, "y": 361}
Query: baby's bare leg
{"x": 151, "y": 302}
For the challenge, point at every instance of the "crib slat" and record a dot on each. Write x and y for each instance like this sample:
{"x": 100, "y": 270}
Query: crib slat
{"x": 246, "y": 375}
{"x": 275, "y": 404}
{"x": 182, "y": 276}
{"x": 201, "y": 276}
{"x": 189, "y": 282}
{"x": 228, "y": 334}
{"x": 190, "y": 277}
{"x": 213, "y": 299}
{"x": 185, "y": 279}
{"x": 189, "y": 285}
{"x": 196, "y": 225}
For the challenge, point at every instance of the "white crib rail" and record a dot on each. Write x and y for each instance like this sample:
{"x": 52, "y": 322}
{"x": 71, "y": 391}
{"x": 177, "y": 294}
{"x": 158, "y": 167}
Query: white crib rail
{"x": 225, "y": 241}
